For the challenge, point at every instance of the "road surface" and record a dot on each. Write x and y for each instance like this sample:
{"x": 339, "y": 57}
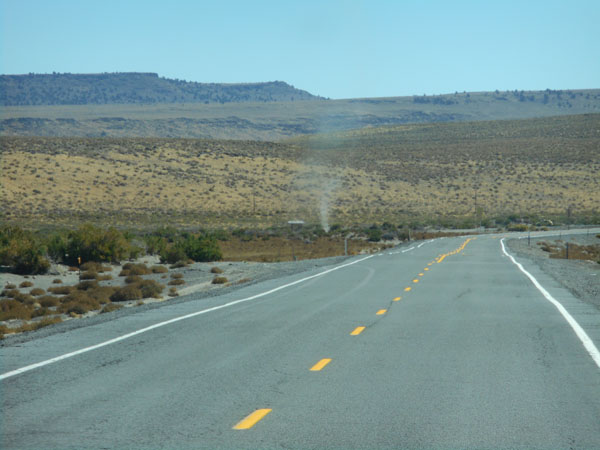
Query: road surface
{"x": 438, "y": 344}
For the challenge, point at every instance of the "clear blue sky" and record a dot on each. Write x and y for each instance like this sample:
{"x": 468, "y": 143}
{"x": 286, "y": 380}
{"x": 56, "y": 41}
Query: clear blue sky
{"x": 336, "y": 49}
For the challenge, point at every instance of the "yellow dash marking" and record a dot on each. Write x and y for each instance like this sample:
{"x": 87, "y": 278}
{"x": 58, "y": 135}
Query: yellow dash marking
{"x": 318, "y": 366}
{"x": 430, "y": 264}
{"x": 381, "y": 312}
{"x": 357, "y": 331}
{"x": 421, "y": 274}
{"x": 426, "y": 268}
{"x": 252, "y": 419}
{"x": 415, "y": 280}
{"x": 407, "y": 289}
{"x": 397, "y": 299}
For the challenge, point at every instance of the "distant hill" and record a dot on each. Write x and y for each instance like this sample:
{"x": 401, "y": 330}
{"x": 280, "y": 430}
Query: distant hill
{"x": 145, "y": 105}
{"x": 111, "y": 88}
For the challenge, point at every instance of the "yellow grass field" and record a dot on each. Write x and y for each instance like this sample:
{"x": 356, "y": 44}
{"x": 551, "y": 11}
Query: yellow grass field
{"x": 399, "y": 173}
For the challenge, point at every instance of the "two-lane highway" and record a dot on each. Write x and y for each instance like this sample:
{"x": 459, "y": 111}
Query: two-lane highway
{"x": 443, "y": 343}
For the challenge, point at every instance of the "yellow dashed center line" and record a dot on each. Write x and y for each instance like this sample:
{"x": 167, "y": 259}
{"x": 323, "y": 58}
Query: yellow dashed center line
{"x": 415, "y": 280}
{"x": 252, "y": 419}
{"x": 454, "y": 252}
{"x": 381, "y": 312}
{"x": 407, "y": 289}
{"x": 318, "y": 366}
{"x": 397, "y": 299}
{"x": 426, "y": 268}
{"x": 421, "y": 274}
{"x": 357, "y": 331}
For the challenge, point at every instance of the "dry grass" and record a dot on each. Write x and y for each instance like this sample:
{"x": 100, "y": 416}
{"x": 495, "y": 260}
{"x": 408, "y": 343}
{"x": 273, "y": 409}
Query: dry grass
{"x": 219, "y": 280}
{"x": 538, "y": 166}
{"x": 134, "y": 269}
{"x": 4, "y": 330}
{"x": 111, "y": 307}
{"x": 558, "y": 249}
{"x": 280, "y": 249}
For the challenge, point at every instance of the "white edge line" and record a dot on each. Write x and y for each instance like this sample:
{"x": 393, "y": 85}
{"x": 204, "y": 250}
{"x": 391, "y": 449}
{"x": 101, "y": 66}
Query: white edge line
{"x": 12, "y": 373}
{"x": 408, "y": 250}
{"x": 581, "y": 334}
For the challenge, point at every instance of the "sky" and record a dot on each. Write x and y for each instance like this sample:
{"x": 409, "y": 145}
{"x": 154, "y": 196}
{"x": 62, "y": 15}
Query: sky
{"x": 336, "y": 49}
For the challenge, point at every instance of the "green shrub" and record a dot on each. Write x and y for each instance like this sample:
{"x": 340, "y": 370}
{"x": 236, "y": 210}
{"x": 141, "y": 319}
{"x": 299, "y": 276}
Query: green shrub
{"x": 219, "y": 280}
{"x": 155, "y": 245}
{"x": 173, "y": 254}
{"x": 173, "y": 292}
{"x": 216, "y": 270}
{"x": 374, "y": 235}
{"x": 26, "y": 284}
{"x": 104, "y": 277}
{"x": 203, "y": 249}
{"x": 92, "y": 243}
{"x": 200, "y": 248}
{"x": 176, "y": 282}
{"x": 57, "y": 281}
{"x": 58, "y": 246}
{"x": 159, "y": 269}
{"x": 37, "y": 292}
{"x": 176, "y": 275}
{"x": 22, "y": 251}
{"x": 129, "y": 292}
{"x": 10, "y": 286}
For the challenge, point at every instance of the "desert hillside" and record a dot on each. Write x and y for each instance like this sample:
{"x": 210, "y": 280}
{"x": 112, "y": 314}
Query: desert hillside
{"x": 476, "y": 171}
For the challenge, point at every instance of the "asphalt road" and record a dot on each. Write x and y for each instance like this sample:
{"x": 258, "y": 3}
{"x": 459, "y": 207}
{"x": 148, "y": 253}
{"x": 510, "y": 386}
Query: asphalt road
{"x": 471, "y": 356}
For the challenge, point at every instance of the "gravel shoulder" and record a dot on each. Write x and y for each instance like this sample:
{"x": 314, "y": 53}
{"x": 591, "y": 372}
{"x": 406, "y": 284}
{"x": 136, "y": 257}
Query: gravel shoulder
{"x": 580, "y": 277}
